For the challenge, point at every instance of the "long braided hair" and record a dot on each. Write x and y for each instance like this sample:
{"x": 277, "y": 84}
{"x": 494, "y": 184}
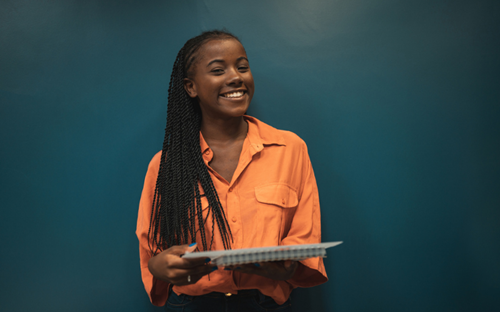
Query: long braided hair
{"x": 177, "y": 212}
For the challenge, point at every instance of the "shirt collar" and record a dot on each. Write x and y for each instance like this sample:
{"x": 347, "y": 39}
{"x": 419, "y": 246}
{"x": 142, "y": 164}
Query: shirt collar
{"x": 259, "y": 135}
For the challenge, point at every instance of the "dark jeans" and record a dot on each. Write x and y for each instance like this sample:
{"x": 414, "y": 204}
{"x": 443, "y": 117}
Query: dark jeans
{"x": 244, "y": 301}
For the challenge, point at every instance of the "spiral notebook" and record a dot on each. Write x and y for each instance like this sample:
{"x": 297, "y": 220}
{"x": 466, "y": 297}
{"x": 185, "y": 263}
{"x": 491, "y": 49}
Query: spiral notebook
{"x": 263, "y": 254}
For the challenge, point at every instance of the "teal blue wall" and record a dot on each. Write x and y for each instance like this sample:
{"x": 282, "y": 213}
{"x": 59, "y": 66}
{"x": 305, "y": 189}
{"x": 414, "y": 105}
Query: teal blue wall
{"x": 398, "y": 101}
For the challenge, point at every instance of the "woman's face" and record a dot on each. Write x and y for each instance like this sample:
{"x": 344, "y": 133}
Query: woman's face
{"x": 221, "y": 79}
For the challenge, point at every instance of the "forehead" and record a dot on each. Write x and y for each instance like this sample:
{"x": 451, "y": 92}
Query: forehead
{"x": 224, "y": 49}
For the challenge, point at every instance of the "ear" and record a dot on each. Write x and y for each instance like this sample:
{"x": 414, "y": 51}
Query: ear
{"x": 190, "y": 87}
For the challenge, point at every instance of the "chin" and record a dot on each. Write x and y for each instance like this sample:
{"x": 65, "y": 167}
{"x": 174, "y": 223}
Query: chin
{"x": 236, "y": 111}
{"x": 240, "y": 113}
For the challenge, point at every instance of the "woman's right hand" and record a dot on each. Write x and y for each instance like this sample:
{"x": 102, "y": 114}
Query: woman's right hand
{"x": 170, "y": 267}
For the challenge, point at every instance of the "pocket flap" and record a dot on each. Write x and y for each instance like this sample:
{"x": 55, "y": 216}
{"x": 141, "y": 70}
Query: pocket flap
{"x": 277, "y": 194}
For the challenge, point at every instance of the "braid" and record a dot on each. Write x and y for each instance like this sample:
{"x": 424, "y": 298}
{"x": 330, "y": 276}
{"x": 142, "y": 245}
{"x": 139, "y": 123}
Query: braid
{"x": 177, "y": 197}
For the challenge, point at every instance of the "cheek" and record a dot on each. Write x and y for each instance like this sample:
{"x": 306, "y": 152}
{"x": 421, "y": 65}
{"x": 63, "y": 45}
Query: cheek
{"x": 214, "y": 86}
{"x": 250, "y": 83}
{"x": 252, "y": 87}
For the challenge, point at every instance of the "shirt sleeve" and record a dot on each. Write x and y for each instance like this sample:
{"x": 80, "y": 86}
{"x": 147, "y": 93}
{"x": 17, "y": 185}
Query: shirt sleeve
{"x": 156, "y": 289}
{"x": 306, "y": 228}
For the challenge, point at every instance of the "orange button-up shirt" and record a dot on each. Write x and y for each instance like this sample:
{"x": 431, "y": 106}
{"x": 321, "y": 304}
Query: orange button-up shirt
{"x": 271, "y": 200}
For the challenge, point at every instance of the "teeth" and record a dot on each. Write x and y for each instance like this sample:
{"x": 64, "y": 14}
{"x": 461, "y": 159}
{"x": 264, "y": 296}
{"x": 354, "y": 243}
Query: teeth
{"x": 234, "y": 94}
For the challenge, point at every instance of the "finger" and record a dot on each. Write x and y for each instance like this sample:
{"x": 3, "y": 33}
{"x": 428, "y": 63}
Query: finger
{"x": 202, "y": 269}
{"x": 194, "y": 261}
{"x": 181, "y": 277}
{"x": 208, "y": 270}
{"x": 191, "y": 248}
{"x": 175, "y": 259}
{"x": 193, "y": 279}
{"x": 181, "y": 249}
{"x": 181, "y": 263}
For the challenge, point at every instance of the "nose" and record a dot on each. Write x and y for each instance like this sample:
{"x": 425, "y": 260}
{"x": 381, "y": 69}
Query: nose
{"x": 234, "y": 77}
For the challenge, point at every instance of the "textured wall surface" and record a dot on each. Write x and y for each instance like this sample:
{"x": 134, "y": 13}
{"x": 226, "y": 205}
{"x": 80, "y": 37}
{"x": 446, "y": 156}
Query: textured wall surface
{"x": 398, "y": 101}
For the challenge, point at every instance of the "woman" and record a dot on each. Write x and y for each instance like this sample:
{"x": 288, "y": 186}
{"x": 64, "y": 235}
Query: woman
{"x": 224, "y": 180}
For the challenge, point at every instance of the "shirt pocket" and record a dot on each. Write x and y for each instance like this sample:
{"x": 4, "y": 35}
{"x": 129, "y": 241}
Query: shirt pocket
{"x": 276, "y": 202}
{"x": 277, "y": 194}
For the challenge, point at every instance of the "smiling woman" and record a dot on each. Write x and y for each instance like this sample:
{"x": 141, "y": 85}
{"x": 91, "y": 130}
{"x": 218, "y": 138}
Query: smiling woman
{"x": 214, "y": 164}
{"x": 221, "y": 80}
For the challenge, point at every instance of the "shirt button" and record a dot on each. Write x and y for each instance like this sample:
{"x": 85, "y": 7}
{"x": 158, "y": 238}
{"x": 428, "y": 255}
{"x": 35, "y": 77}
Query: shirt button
{"x": 234, "y": 219}
{"x": 207, "y": 152}
{"x": 230, "y": 189}
{"x": 283, "y": 201}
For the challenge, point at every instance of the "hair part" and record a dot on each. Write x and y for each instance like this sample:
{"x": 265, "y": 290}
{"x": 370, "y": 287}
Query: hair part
{"x": 176, "y": 215}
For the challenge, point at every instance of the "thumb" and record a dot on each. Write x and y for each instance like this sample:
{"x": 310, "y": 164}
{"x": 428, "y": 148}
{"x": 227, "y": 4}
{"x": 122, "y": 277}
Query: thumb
{"x": 190, "y": 248}
{"x": 181, "y": 249}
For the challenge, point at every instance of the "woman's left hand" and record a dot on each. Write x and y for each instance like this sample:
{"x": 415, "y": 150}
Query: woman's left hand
{"x": 276, "y": 270}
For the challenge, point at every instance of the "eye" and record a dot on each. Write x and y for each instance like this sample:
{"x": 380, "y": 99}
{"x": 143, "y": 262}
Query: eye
{"x": 217, "y": 71}
{"x": 243, "y": 68}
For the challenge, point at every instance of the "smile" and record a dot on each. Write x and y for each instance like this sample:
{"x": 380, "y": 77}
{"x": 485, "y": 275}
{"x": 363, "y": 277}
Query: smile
{"x": 235, "y": 94}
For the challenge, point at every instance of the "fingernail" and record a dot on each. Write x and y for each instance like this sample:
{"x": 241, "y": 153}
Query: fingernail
{"x": 207, "y": 260}
{"x": 192, "y": 244}
{"x": 214, "y": 268}
{"x": 257, "y": 265}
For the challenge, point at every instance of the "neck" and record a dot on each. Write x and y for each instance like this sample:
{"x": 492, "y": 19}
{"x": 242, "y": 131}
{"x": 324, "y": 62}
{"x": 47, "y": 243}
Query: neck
{"x": 224, "y": 131}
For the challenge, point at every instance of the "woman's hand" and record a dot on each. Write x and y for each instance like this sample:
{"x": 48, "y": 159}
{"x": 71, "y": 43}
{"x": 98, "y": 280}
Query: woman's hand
{"x": 276, "y": 270}
{"x": 170, "y": 267}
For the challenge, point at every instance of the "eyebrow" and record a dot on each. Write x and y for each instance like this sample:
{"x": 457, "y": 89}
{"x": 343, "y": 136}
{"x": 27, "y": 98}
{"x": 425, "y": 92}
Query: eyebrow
{"x": 222, "y": 61}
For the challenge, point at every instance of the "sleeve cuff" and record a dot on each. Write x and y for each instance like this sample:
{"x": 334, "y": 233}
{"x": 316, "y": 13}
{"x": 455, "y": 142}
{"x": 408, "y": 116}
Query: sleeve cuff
{"x": 310, "y": 272}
